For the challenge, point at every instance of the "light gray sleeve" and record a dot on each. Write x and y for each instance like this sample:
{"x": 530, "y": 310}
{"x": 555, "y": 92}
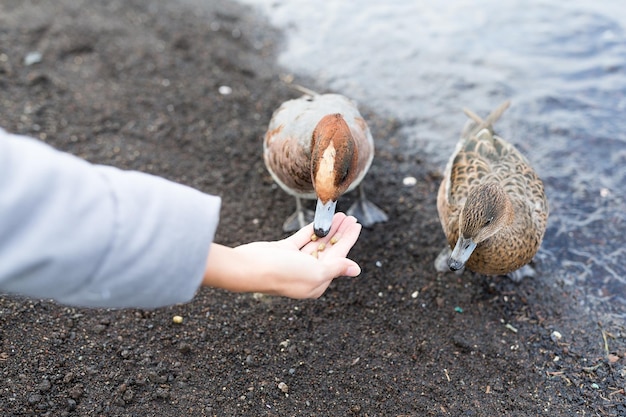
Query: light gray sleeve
{"x": 97, "y": 236}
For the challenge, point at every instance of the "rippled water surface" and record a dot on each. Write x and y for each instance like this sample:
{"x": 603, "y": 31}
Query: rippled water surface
{"x": 562, "y": 64}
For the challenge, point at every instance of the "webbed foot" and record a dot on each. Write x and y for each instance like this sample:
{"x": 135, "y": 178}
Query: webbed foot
{"x": 366, "y": 212}
{"x": 300, "y": 218}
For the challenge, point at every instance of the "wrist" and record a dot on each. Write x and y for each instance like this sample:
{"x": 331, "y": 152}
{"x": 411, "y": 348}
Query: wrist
{"x": 235, "y": 270}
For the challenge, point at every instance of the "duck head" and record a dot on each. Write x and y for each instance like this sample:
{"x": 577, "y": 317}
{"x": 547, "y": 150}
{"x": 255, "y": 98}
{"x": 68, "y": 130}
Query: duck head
{"x": 486, "y": 211}
{"x": 333, "y": 167}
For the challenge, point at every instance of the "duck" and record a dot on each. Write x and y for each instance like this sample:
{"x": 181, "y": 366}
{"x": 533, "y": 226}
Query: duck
{"x": 318, "y": 146}
{"x": 491, "y": 203}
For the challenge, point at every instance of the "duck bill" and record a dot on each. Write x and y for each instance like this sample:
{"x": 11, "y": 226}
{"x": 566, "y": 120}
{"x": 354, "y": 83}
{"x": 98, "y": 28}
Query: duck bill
{"x": 323, "y": 219}
{"x": 461, "y": 253}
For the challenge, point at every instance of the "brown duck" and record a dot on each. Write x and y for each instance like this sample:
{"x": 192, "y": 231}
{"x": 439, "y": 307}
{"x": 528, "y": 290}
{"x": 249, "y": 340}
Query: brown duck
{"x": 491, "y": 203}
{"x": 319, "y": 147}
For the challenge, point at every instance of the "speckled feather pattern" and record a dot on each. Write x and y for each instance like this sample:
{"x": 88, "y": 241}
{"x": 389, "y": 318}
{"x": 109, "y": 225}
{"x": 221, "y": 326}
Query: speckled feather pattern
{"x": 287, "y": 144}
{"x": 481, "y": 156}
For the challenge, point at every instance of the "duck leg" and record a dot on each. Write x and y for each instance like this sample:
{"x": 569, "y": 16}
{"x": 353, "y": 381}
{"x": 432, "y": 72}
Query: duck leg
{"x": 518, "y": 275}
{"x": 300, "y": 218}
{"x": 366, "y": 212}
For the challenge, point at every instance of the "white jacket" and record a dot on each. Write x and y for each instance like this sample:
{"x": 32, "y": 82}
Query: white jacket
{"x": 97, "y": 236}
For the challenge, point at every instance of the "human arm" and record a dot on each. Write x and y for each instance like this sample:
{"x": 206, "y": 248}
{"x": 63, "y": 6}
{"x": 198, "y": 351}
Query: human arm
{"x": 286, "y": 267}
{"x": 97, "y": 236}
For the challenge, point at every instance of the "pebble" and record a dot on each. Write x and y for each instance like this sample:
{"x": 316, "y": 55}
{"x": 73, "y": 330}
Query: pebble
{"x": 128, "y": 396}
{"x": 99, "y": 328}
{"x": 283, "y": 387}
{"x": 184, "y": 347}
{"x": 225, "y": 90}
{"x": 77, "y": 391}
{"x": 163, "y": 393}
{"x": 34, "y": 398}
{"x": 177, "y": 319}
{"x": 409, "y": 181}
{"x": 71, "y": 404}
{"x": 555, "y": 336}
{"x": 32, "y": 58}
{"x": 44, "y": 385}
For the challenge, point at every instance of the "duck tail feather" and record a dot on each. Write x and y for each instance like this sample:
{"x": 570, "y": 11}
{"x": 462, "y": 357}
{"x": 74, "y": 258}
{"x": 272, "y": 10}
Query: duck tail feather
{"x": 304, "y": 90}
{"x": 476, "y": 124}
{"x": 497, "y": 113}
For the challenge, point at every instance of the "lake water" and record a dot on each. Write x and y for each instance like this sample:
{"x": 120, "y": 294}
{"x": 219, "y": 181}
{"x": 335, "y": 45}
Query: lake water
{"x": 562, "y": 64}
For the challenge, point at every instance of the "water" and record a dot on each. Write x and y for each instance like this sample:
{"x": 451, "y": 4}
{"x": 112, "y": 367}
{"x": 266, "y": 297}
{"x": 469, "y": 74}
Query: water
{"x": 562, "y": 64}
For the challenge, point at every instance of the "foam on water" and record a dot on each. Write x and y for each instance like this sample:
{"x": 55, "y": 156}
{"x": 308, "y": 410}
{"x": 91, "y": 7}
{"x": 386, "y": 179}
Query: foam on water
{"x": 563, "y": 65}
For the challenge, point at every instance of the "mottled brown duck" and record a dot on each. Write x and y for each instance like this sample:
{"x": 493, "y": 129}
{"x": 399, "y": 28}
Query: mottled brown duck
{"x": 491, "y": 203}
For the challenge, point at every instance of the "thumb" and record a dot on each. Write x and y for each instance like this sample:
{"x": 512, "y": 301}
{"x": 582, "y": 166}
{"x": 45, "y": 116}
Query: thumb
{"x": 344, "y": 267}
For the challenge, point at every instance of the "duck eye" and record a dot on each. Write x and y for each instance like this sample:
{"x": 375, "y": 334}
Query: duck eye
{"x": 345, "y": 175}
{"x": 489, "y": 220}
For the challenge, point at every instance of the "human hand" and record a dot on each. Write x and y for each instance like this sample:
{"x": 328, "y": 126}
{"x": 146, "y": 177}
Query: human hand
{"x": 292, "y": 267}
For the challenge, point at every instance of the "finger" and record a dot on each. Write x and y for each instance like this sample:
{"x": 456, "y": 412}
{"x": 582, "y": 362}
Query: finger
{"x": 345, "y": 238}
{"x": 341, "y": 267}
{"x": 304, "y": 241}
{"x": 301, "y": 237}
{"x": 335, "y": 269}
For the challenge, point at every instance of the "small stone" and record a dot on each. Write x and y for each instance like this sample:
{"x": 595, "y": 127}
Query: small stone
{"x": 184, "y": 347}
{"x": 283, "y": 387}
{"x": 71, "y": 404}
{"x": 32, "y": 58}
{"x": 511, "y": 327}
{"x": 128, "y": 396}
{"x": 99, "y": 328}
{"x": 34, "y": 398}
{"x": 321, "y": 247}
{"x": 555, "y": 336}
{"x": 414, "y": 294}
{"x": 44, "y": 385}
{"x": 334, "y": 239}
{"x": 177, "y": 319}
{"x": 225, "y": 90}
{"x": 313, "y": 237}
{"x": 77, "y": 391}
{"x": 163, "y": 393}
{"x": 409, "y": 181}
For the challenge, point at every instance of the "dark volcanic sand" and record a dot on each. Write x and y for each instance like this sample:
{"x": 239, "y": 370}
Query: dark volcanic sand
{"x": 136, "y": 85}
